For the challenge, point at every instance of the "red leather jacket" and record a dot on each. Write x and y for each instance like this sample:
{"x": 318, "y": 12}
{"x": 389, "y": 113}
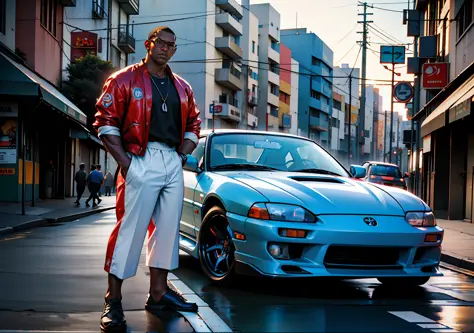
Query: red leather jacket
{"x": 124, "y": 108}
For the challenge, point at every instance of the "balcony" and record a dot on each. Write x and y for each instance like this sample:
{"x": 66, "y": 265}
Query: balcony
{"x": 230, "y": 109}
{"x": 273, "y": 55}
{"x": 229, "y": 47}
{"x": 252, "y": 120}
{"x": 228, "y": 23}
{"x": 285, "y": 121}
{"x": 98, "y": 12}
{"x": 318, "y": 125}
{"x": 252, "y": 99}
{"x": 231, "y": 6}
{"x": 125, "y": 40}
{"x": 67, "y": 3}
{"x": 228, "y": 77}
{"x": 131, "y": 7}
{"x": 274, "y": 78}
{"x": 273, "y": 99}
{"x": 273, "y": 121}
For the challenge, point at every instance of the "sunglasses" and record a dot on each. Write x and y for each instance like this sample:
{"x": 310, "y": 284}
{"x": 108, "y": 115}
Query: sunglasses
{"x": 162, "y": 43}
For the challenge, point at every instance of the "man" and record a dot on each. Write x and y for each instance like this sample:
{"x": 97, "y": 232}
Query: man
{"x": 94, "y": 182}
{"x": 148, "y": 120}
{"x": 108, "y": 183}
{"x": 81, "y": 180}
{"x": 99, "y": 168}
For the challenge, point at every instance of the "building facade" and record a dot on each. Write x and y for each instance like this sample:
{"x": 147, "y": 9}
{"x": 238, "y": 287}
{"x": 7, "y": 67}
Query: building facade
{"x": 38, "y": 123}
{"x": 295, "y": 68}
{"x": 444, "y": 156}
{"x": 315, "y": 82}
{"x": 349, "y": 88}
{"x": 269, "y": 63}
{"x": 284, "y": 108}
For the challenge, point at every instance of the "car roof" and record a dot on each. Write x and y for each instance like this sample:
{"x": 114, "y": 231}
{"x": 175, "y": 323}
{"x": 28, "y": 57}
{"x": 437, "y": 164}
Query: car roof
{"x": 381, "y": 163}
{"x": 205, "y": 133}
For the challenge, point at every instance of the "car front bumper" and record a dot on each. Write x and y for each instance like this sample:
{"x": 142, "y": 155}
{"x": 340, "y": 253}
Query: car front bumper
{"x": 339, "y": 246}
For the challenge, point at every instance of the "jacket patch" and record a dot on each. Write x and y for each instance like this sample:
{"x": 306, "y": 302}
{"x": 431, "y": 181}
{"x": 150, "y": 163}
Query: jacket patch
{"x": 107, "y": 100}
{"x": 137, "y": 93}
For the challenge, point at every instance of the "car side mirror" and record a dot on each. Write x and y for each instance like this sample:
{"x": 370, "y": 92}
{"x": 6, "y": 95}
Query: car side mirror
{"x": 357, "y": 171}
{"x": 192, "y": 164}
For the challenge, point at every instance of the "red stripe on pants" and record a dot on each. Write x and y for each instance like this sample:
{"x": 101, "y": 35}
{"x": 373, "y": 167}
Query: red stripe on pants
{"x": 120, "y": 212}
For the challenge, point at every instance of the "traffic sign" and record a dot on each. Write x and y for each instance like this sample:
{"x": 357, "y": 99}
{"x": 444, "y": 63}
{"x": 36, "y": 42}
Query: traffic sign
{"x": 403, "y": 92}
{"x": 216, "y": 108}
{"x": 392, "y": 54}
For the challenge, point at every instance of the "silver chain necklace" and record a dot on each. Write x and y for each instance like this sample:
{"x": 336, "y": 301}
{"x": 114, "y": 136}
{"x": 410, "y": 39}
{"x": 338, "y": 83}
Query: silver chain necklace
{"x": 164, "y": 107}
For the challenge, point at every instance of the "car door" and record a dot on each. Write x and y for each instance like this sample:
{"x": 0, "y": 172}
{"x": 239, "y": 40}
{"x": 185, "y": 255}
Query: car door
{"x": 191, "y": 179}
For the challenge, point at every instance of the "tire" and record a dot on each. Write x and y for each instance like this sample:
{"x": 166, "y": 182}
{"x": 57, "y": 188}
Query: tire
{"x": 404, "y": 281}
{"x": 215, "y": 233}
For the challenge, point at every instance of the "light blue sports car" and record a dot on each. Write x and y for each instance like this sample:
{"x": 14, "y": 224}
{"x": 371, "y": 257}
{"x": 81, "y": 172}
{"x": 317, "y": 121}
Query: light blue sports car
{"x": 279, "y": 205}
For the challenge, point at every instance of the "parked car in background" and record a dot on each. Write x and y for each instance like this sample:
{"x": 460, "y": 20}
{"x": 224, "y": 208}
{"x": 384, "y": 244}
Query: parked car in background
{"x": 387, "y": 174}
{"x": 280, "y": 205}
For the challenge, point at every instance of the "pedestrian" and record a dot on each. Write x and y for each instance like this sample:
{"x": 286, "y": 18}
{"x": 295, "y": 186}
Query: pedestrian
{"x": 148, "y": 120}
{"x": 94, "y": 182}
{"x": 108, "y": 183}
{"x": 99, "y": 168}
{"x": 81, "y": 181}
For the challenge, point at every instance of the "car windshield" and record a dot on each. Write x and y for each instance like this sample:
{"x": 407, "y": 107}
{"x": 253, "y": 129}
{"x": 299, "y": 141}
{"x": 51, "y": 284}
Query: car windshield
{"x": 385, "y": 170}
{"x": 243, "y": 151}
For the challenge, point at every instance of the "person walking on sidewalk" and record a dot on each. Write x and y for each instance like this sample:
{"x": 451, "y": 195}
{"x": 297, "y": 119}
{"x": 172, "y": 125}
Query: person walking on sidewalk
{"x": 108, "y": 183}
{"x": 81, "y": 181}
{"x": 94, "y": 182}
{"x": 99, "y": 168}
{"x": 148, "y": 120}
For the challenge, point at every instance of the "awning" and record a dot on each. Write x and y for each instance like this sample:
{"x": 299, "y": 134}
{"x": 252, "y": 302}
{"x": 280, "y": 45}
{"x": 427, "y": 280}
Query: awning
{"x": 18, "y": 80}
{"x": 437, "y": 118}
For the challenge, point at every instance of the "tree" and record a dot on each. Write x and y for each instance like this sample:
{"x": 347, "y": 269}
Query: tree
{"x": 86, "y": 77}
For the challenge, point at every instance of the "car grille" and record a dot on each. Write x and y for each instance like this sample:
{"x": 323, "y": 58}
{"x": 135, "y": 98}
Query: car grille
{"x": 362, "y": 257}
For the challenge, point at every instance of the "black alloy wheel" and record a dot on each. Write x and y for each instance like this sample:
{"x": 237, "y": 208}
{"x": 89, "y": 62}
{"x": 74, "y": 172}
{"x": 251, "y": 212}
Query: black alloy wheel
{"x": 216, "y": 248}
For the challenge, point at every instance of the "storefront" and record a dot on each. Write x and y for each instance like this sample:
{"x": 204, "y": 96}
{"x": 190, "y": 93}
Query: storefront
{"x": 37, "y": 124}
{"x": 447, "y": 135}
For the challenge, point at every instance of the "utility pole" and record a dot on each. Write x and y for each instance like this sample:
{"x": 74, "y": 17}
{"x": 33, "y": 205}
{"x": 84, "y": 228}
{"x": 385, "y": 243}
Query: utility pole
{"x": 385, "y": 138}
{"x": 213, "y": 114}
{"x": 416, "y": 107}
{"x": 364, "y": 71}
{"x": 391, "y": 106}
{"x": 245, "y": 94}
{"x": 349, "y": 143}
{"x": 399, "y": 159}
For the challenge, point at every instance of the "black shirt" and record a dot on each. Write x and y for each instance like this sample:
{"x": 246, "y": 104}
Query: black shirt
{"x": 165, "y": 126}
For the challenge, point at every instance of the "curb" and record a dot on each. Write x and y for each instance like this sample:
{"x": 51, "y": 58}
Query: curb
{"x": 41, "y": 221}
{"x": 458, "y": 262}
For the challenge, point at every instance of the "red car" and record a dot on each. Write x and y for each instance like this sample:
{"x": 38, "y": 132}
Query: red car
{"x": 384, "y": 174}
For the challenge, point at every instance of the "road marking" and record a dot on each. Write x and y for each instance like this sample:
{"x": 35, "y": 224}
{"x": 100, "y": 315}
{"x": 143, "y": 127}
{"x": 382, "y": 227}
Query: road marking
{"x": 411, "y": 317}
{"x": 447, "y": 330}
{"x": 206, "y": 320}
{"x": 431, "y": 326}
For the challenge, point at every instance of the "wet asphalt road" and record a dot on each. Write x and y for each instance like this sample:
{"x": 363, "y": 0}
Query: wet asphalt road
{"x": 52, "y": 278}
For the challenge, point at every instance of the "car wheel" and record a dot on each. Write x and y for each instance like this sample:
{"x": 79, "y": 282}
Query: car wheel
{"x": 404, "y": 281}
{"x": 216, "y": 248}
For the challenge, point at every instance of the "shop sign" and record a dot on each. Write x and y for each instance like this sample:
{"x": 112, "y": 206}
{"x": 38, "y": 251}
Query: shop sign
{"x": 8, "y": 109}
{"x": 460, "y": 111}
{"x": 435, "y": 75}
{"x": 7, "y": 156}
{"x": 83, "y": 43}
{"x": 7, "y": 171}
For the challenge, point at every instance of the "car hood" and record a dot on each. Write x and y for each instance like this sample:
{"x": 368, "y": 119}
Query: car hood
{"x": 324, "y": 194}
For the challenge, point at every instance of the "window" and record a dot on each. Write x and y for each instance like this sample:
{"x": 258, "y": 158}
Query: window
{"x": 337, "y": 105}
{"x": 3, "y": 16}
{"x": 464, "y": 18}
{"x": 315, "y": 94}
{"x": 253, "y": 46}
{"x": 49, "y": 15}
{"x": 198, "y": 153}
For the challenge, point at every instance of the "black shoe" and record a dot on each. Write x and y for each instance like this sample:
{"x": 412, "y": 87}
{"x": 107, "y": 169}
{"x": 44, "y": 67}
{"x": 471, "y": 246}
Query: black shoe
{"x": 171, "y": 300}
{"x": 113, "y": 319}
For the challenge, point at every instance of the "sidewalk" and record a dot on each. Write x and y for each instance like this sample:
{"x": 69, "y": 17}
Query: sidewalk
{"x": 458, "y": 243}
{"x": 48, "y": 211}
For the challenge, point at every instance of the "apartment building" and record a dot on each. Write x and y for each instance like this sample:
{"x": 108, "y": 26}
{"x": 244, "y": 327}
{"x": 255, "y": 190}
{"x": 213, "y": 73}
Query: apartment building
{"x": 350, "y": 90}
{"x": 294, "y": 97}
{"x": 38, "y": 124}
{"x": 269, "y": 63}
{"x": 209, "y": 52}
{"x": 444, "y": 155}
{"x": 315, "y": 82}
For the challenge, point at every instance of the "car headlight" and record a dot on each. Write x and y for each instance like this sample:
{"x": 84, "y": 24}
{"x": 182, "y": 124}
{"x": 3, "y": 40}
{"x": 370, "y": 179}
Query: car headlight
{"x": 281, "y": 212}
{"x": 421, "y": 219}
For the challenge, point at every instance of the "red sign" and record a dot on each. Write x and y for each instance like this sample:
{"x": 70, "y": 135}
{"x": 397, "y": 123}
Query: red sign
{"x": 83, "y": 43}
{"x": 435, "y": 75}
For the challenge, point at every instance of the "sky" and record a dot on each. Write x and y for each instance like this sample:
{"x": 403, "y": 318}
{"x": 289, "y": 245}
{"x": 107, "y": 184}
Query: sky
{"x": 335, "y": 22}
